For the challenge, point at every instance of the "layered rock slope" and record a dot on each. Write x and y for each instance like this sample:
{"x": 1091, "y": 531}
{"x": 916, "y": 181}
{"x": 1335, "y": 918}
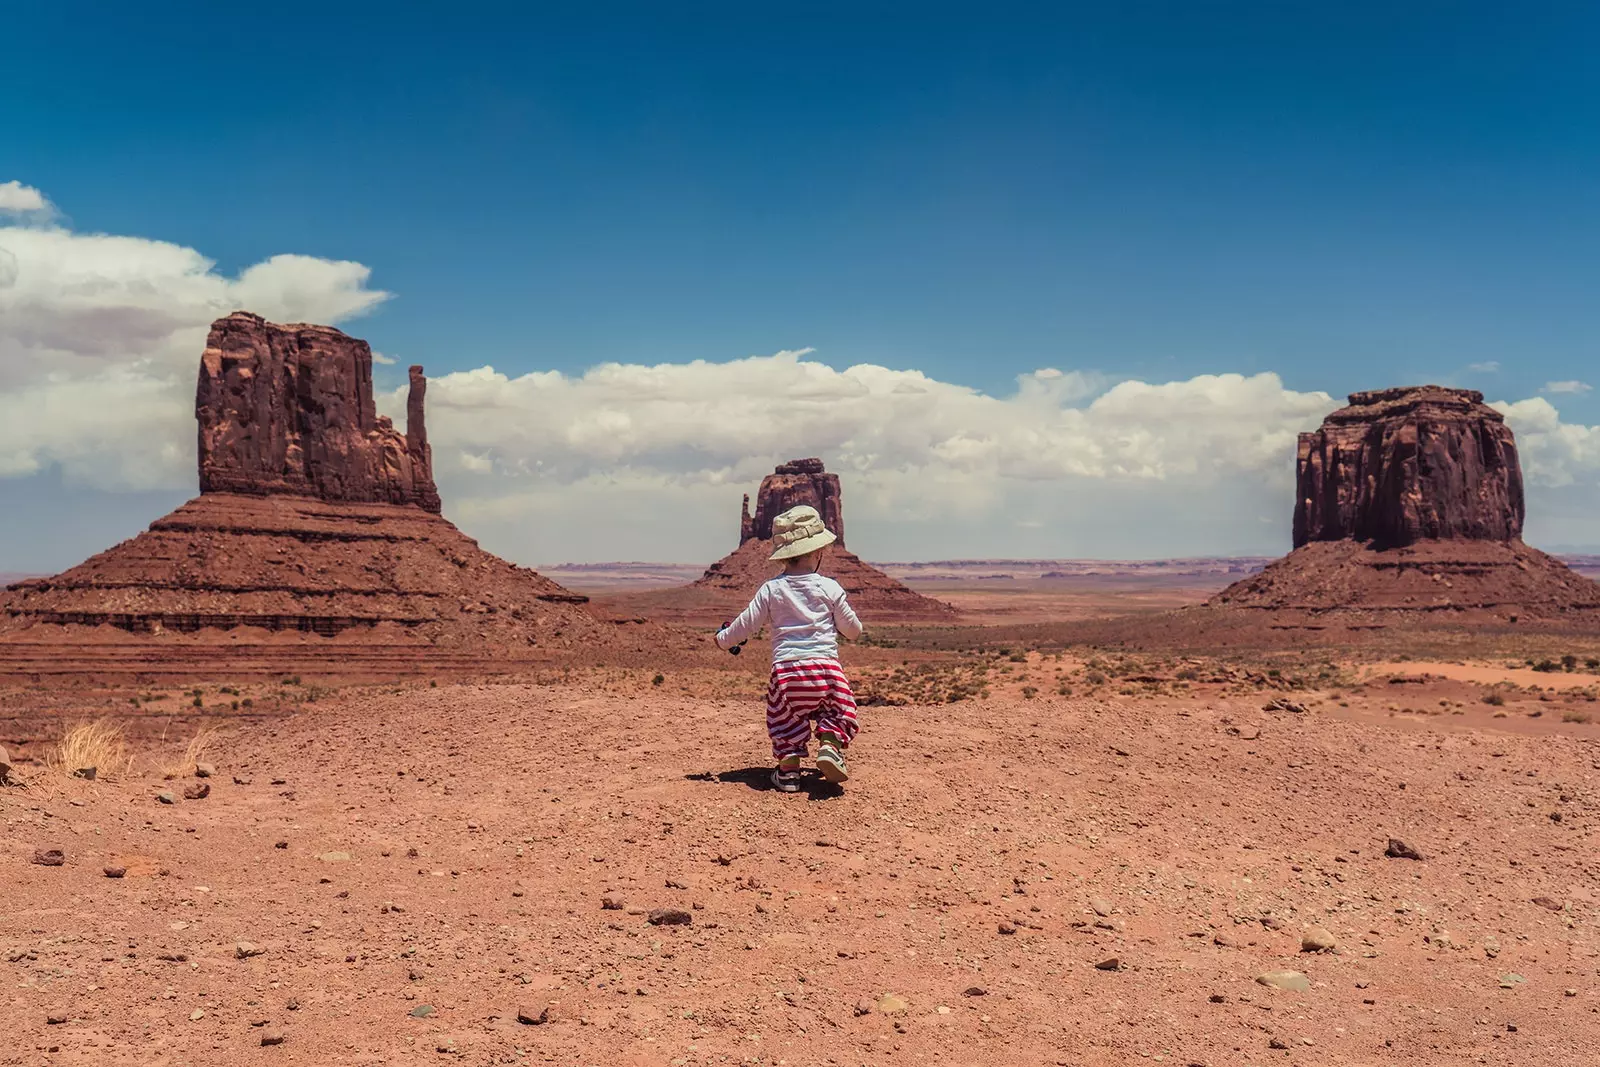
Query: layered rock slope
{"x": 804, "y": 481}
{"x": 316, "y": 517}
{"x": 1411, "y": 500}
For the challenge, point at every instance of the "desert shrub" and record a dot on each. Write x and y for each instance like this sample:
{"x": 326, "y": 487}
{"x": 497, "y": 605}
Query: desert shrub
{"x": 1029, "y": 692}
{"x": 1575, "y": 716}
{"x": 101, "y": 744}
{"x": 198, "y": 702}
{"x": 1188, "y": 674}
{"x": 658, "y": 679}
{"x": 1018, "y": 657}
{"x": 1494, "y": 699}
{"x": 1095, "y": 678}
{"x": 1592, "y": 663}
{"x": 1548, "y": 666}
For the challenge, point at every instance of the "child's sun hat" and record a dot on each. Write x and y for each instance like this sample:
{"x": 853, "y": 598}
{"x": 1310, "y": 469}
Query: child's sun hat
{"x": 798, "y": 531}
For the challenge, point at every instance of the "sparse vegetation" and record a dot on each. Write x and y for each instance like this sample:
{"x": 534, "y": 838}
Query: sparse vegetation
{"x": 101, "y": 744}
{"x": 1575, "y": 716}
{"x": 1494, "y": 698}
{"x": 193, "y": 753}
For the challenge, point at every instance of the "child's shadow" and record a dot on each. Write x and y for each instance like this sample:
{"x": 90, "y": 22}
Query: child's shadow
{"x": 814, "y": 786}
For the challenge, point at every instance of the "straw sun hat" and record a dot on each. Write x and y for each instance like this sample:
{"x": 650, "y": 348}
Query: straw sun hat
{"x": 798, "y": 531}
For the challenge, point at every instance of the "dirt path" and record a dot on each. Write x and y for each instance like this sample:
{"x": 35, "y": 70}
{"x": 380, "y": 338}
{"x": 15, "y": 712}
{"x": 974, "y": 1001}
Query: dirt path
{"x": 960, "y": 872}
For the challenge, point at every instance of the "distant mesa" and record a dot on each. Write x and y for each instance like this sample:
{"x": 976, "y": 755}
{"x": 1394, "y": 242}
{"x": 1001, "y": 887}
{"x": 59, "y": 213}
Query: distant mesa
{"x": 805, "y": 481}
{"x": 315, "y": 516}
{"x": 1411, "y": 500}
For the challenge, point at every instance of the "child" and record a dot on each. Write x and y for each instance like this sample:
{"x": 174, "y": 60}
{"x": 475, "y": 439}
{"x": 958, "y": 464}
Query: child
{"x": 807, "y": 612}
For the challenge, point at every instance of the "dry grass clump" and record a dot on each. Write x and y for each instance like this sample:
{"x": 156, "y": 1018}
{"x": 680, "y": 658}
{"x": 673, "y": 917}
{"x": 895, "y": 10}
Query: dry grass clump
{"x": 193, "y": 753}
{"x": 102, "y": 745}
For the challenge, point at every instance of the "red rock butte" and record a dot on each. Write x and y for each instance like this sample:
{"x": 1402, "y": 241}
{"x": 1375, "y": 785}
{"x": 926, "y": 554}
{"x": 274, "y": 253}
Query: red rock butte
{"x": 315, "y": 517}
{"x": 878, "y": 597}
{"x": 1411, "y": 500}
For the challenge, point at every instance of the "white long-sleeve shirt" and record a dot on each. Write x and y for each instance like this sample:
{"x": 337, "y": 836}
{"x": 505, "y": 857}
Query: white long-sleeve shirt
{"x": 807, "y": 613}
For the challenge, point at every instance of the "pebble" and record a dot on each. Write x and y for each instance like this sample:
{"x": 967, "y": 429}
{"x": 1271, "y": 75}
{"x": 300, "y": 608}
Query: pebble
{"x": 205, "y": 770}
{"x": 272, "y": 1037}
{"x": 611, "y": 904}
{"x": 166, "y": 796}
{"x": 422, "y": 1011}
{"x": 197, "y": 790}
{"x": 1100, "y": 906}
{"x": 1112, "y": 964}
{"x": 1316, "y": 939}
{"x": 975, "y": 991}
{"x": 196, "y": 1015}
{"x": 5, "y": 766}
{"x": 1511, "y": 981}
{"x": 1277, "y": 1042}
{"x": 49, "y": 857}
{"x": 863, "y": 1007}
{"x": 1546, "y": 903}
{"x": 530, "y": 1017}
{"x": 1399, "y": 850}
{"x": 1007, "y": 928}
{"x": 56, "y": 1018}
{"x": 1291, "y": 980}
{"x": 245, "y": 949}
{"x": 669, "y": 917}
{"x": 116, "y": 872}
{"x": 335, "y": 857}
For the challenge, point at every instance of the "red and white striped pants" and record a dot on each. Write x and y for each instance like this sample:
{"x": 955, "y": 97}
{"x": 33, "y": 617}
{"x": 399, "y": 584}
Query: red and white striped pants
{"x": 806, "y": 692}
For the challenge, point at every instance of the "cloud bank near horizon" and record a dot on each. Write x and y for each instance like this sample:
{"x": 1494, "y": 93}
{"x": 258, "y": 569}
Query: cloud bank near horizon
{"x": 100, "y": 334}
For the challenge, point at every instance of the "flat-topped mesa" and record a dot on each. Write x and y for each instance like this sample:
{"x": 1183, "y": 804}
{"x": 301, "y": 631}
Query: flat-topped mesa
{"x": 290, "y": 409}
{"x": 800, "y": 481}
{"x": 1404, "y": 465}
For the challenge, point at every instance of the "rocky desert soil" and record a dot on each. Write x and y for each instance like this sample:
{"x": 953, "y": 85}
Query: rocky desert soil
{"x": 594, "y": 872}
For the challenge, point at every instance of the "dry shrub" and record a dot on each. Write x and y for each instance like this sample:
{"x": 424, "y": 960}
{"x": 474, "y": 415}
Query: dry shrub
{"x": 101, "y": 744}
{"x": 193, "y": 753}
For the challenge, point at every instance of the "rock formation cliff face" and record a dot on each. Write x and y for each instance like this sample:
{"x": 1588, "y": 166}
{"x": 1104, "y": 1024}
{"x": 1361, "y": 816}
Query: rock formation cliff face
{"x": 800, "y": 481}
{"x": 1400, "y": 466}
{"x": 290, "y": 409}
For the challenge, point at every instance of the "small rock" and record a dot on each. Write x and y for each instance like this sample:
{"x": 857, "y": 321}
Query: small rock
{"x": 245, "y": 949}
{"x": 611, "y": 904}
{"x": 196, "y": 1015}
{"x": 197, "y": 790}
{"x": 293, "y": 1004}
{"x": 5, "y": 767}
{"x": 1316, "y": 939}
{"x": 1218, "y": 998}
{"x": 863, "y": 1007}
{"x": 166, "y": 796}
{"x": 1290, "y": 980}
{"x": 1511, "y": 1028}
{"x": 49, "y": 857}
{"x": 272, "y": 1037}
{"x": 335, "y": 857}
{"x": 1511, "y": 981}
{"x": 975, "y": 991}
{"x": 669, "y": 917}
{"x": 88, "y": 774}
{"x": 1100, "y": 906}
{"x": 203, "y": 769}
{"x": 1112, "y": 964}
{"x": 1546, "y": 903}
{"x": 530, "y": 1017}
{"x": 893, "y": 1004}
{"x": 1491, "y": 948}
{"x": 1569, "y": 992}
{"x": 1399, "y": 850}
{"x": 280, "y": 844}
{"x": 56, "y": 1018}
{"x": 422, "y": 1011}
{"x": 1007, "y": 928}
{"x": 1277, "y": 1042}
{"x": 116, "y": 872}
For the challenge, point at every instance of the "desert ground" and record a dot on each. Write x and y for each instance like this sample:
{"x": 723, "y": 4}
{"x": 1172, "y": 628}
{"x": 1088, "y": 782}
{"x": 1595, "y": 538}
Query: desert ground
{"x": 1050, "y": 853}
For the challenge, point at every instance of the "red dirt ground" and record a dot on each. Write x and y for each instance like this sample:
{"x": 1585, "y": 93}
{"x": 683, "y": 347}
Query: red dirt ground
{"x": 1211, "y": 832}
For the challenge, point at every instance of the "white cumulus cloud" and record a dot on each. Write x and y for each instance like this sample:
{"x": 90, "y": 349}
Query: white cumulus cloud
{"x": 19, "y": 199}
{"x": 100, "y": 336}
{"x": 1569, "y": 386}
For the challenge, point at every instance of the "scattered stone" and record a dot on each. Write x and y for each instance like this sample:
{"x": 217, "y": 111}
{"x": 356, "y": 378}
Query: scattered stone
{"x": 335, "y": 857}
{"x": 203, "y": 769}
{"x": 611, "y": 904}
{"x": 1218, "y": 998}
{"x": 1007, "y": 928}
{"x": 280, "y": 844}
{"x": 88, "y": 774}
{"x": 49, "y": 857}
{"x": 293, "y": 1004}
{"x": 530, "y": 1017}
{"x": 863, "y": 1007}
{"x": 245, "y": 949}
{"x": 1316, "y": 939}
{"x": 893, "y": 1004}
{"x": 422, "y": 1011}
{"x": 1112, "y": 964}
{"x": 1511, "y": 1028}
{"x": 1285, "y": 704}
{"x": 166, "y": 796}
{"x": 1491, "y": 948}
{"x": 116, "y": 872}
{"x": 196, "y": 1015}
{"x": 669, "y": 917}
{"x": 1293, "y": 981}
{"x": 975, "y": 991}
{"x": 1277, "y": 1042}
{"x": 56, "y": 1018}
{"x": 197, "y": 791}
{"x": 1399, "y": 850}
{"x": 1511, "y": 981}
{"x": 1546, "y": 903}
{"x": 1100, "y": 906}
{"x": 271, "y": 1037}
{"x": 1569, "y": 992}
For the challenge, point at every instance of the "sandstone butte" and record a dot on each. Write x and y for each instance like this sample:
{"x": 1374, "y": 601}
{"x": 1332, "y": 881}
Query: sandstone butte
{"x": 1411, "y": 500}
{"x": 315, "y": 517}
{"x": 736, "y": 576}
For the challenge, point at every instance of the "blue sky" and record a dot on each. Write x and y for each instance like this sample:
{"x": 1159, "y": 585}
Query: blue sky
{"x": 1348, "y": 196}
